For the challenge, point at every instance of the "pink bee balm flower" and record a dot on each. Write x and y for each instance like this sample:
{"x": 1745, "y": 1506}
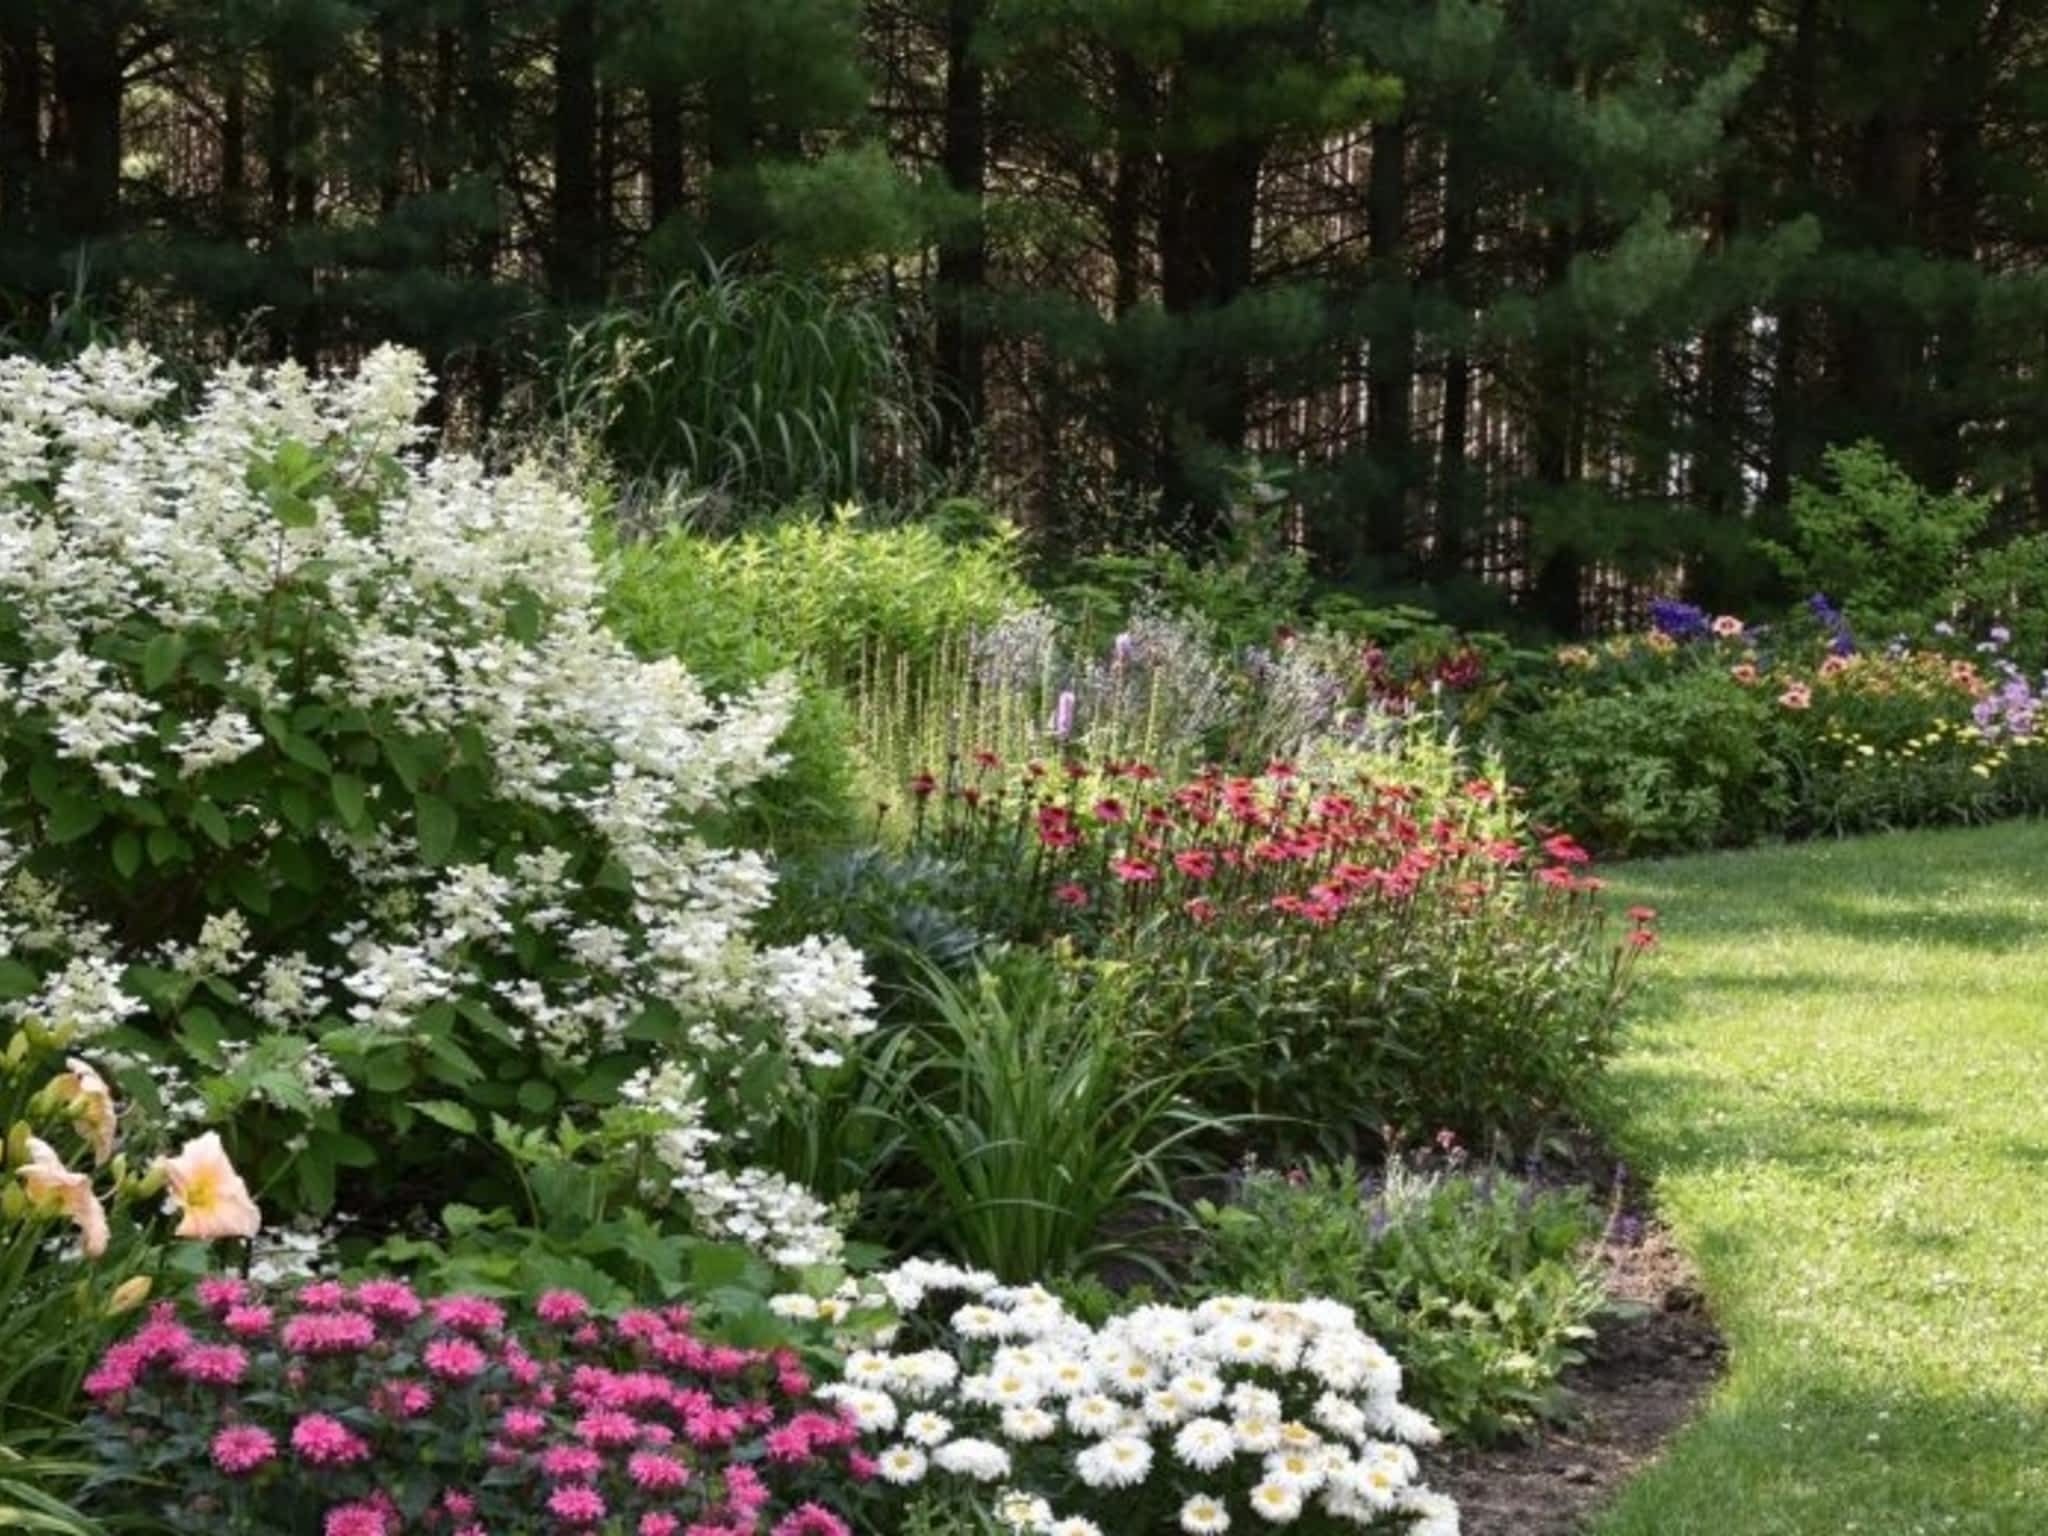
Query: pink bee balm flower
{"x": 608, "y": 1427}
{"x": 571, "y": 1463}
{"x": 812, "y": 1520}
{"x": 355, "y": 1520}
{"x": 329, "y": 1333}
{"x": 522, "y": 1425}
{"x": 659, "y": 1523}
{"x": 322, "y": 1295}
{"x": 247, "y": 1322}
{"x": 641, "y": 1325}
{"x": 576, "y": 1505}
{"x": 392, "y": 1300}
{"x": 240, "y": 1449}
{"x": 561, "y": 1308}
{"x": 862, "y": 1468}
{"x": 221, "y": 1293}
{"x": 469, "y": 1314}
{"x": 455, "y": 1359}
{"x": 327, "y": 1442}
{"x": 216, "y": 1365}
{"x": 656, "y": 1474}
{"x": 205, "y": 1188}
{"x": 118, "y": 1371}
{"x": 402, "y": 1399}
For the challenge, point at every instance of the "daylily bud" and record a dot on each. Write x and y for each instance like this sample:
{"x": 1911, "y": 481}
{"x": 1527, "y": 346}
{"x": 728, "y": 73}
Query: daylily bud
{"x": 128, "y": 1295}
{"x": 17, "y": 1145}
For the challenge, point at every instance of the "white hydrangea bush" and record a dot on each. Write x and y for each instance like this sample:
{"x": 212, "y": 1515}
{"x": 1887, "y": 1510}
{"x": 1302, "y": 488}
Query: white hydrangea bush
{"x": 325, "y": 793}
{"x": 1235, "y": 1413}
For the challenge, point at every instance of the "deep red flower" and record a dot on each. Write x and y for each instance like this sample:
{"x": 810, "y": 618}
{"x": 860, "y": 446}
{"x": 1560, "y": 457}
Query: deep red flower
{"x": 1565, "y": 849}
{"x": 1196, "y": 863}
{"x": 924, "y": 786}
{"x": 1071, "y": 895}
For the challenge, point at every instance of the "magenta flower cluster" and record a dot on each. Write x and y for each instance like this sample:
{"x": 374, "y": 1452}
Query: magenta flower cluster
{"x": 369, "y": 1410}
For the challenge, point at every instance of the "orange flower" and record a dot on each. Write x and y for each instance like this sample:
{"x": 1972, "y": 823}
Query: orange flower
{"x": 55, "y": 1190}
{"x": 204, "y": 1186}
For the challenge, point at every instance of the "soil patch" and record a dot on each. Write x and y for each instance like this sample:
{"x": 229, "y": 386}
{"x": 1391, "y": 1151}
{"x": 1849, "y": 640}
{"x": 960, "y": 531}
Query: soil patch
{"x": 1654, "y": 1360}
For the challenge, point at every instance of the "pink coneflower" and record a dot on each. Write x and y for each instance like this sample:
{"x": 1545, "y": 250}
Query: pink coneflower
{"x": 240, "y": 1449}
{"x": 216, "y": 1365}
{"x": 329, "y": 1333}
{"x": 1196, "y": 864}
{"x": 455, "y": 1359}
{"x": 1110, "y": 810}
{"x": 576, "y": 1505}
{"x": 1200, "y": 910}
{"x": 1071, "y": 895}
{"x": 1134, "y": 871}
{"x": 656, "y": 1474}
{"x": 561, "y": 1308}
{"x": 323, "y": 1441}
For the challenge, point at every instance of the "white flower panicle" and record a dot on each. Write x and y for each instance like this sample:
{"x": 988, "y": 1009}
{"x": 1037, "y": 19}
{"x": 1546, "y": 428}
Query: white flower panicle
{"x": 442, "y": 604}
{"x": 1235, "y": 1412}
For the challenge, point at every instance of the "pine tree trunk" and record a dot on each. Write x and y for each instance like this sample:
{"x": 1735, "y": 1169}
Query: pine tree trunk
{"x": 664, "y": 153}
{"x": 1390, "y": 367}
{"x": 1461, "y": 239}
{"x": 21, "y": 109}
{"x": 390, "y": 112}
{"x": 86, "y": 142}
{"x": 234, "y": 148}
{"x": 1560, "y": 575}
{"x": 1790, "y": 452}
{"x": 573, "y": 270}
{"x": 1134, "y": 453}
{"x": 963, "y": 256}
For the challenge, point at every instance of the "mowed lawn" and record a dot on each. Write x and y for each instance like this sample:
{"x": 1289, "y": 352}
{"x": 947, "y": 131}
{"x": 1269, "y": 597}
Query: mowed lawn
{"x": 1840, "y": 1087}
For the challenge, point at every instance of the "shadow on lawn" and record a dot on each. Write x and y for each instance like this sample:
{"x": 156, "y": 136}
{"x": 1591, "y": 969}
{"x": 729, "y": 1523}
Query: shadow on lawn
{"x": 1827, "y": 1448}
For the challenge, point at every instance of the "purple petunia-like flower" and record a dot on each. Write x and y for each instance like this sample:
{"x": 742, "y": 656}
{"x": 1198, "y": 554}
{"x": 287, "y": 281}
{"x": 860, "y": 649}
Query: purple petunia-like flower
{"x": 1679, "y": 620}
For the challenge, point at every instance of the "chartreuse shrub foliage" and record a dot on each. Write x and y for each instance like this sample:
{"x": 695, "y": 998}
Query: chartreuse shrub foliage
{"x": 334, "y": 816}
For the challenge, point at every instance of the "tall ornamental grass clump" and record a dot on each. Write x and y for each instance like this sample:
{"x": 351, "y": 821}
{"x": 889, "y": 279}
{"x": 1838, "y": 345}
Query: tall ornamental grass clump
{"x": 766, "y": 388}
{"x": 333, "y": 814}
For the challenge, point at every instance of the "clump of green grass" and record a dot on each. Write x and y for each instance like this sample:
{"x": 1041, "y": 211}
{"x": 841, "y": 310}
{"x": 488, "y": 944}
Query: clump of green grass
{"x": 1844, "y": 1100}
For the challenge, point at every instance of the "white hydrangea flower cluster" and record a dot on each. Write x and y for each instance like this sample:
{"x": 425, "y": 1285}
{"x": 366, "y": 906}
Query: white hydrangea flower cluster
{"x": 451, "y": 606}
{"x": 1279, "y": 1412}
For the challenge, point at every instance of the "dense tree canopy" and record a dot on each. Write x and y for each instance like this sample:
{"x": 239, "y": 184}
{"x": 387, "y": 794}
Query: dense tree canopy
{"x": 1536, "y": 300}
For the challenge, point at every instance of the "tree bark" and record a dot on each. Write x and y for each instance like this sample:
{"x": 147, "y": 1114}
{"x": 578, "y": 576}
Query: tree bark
{"x": 963, "y": 255}
{"x": 664, "y": 153}
{"x": 1390, "y": 364}
{"x": 86, "y": 141}
{"x": 573, "y": 263}
{"x": 1790, "y": 449}
{"x": 1461, "y": 242}
{"x": 21, "y": 109}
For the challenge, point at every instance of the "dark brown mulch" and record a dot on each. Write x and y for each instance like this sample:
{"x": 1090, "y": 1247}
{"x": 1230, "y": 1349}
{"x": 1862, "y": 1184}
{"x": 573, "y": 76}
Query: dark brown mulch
{"x": 1648, "y": 1370}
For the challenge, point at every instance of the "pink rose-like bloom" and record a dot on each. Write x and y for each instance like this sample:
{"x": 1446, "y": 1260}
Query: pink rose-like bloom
{"x": 469, "y": 1314}
{"x": 240, "y": 1449}
{"x": 571, "y": 1463}
{"x": 247, "y": 1322}
{"x": 657, "y": 1474}
{"x": 322, "y": 1296}
{"x": 561, "y": 1308}
{"x": 217, "y": 1365}
{"x": 576, "y": 1505}
{"x": 329, "y": 1333}
{"x": 355, "y": 1520}
{"x": 392, "y": 1300}
{"x": 455, "y": 1359}
{"x": 217, "y": 1293}
{"x": 327, "y": 1442}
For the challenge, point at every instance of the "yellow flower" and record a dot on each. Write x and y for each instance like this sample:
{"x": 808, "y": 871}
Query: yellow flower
{"x": 128, "y": 1295}
{"x": 205, "y": 1187}
{"x": 56, "y": 1190}
{"x": 85, "y": 1094}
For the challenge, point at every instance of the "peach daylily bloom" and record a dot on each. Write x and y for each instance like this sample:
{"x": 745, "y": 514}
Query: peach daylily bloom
{"x": 90, "y": 1101}
{"x": 53, "y": 1189}
{"x": 204, "y": 1186}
